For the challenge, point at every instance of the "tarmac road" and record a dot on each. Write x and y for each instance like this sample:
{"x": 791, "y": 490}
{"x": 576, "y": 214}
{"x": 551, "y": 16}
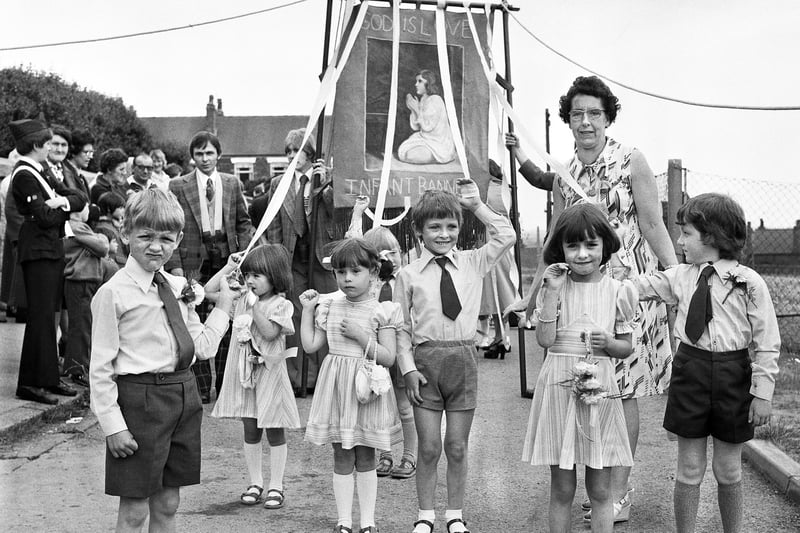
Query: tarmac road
{"x": 54, "y": 481}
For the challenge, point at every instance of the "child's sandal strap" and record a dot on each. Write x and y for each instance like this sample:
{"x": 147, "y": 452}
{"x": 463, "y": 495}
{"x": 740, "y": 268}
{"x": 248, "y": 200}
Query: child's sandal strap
{"x": 424, "y": 523}
{"x": 457, "y": 521}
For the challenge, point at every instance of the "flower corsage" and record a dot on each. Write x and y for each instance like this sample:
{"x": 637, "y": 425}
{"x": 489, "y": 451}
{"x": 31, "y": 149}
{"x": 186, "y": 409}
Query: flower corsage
{"x": 738, "y": 282}
{"x": 192, "y": 293}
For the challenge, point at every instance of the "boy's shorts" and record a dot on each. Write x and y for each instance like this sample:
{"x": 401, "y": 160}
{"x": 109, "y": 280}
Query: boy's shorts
{"x": 163, "y": 412}
{"x": 452, "y": 374}
{"x": 709, "y": 394}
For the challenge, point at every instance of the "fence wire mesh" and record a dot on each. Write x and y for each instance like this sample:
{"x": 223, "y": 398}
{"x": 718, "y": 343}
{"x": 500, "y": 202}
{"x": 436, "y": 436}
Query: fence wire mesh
{"x": 772, "y": 210}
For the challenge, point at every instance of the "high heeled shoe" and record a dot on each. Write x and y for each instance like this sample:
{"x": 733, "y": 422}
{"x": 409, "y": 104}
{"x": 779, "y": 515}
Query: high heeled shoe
{"x": 622, "y": 509}
{"x": 496, "y": 349}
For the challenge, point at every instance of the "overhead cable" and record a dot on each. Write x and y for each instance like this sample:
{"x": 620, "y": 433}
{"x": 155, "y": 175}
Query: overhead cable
{"x": 151, "y": 32}
{"x": 648, "y": 93}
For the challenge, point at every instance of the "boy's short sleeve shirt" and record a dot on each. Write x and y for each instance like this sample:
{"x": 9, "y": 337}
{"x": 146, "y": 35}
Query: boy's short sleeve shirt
{"x": 743, "y": 313}
{"x": 417, "y": 289}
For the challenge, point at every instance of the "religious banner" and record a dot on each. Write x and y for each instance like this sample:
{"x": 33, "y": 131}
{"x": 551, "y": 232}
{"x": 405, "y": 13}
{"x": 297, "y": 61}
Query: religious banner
{"x": 424, "y": 152}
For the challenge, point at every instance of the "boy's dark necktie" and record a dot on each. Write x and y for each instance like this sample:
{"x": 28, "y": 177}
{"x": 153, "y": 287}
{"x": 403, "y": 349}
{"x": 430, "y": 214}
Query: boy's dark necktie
{"x": 699, "y": 313}
{"x": 300, "y": 222}
{"x": 386, "y": 292}
{"x": 175, "y": 319}
{"x": 451, "y": 305}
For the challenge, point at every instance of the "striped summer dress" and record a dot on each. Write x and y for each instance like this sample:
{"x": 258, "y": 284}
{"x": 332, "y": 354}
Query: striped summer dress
{"x": 564, "y": 431}
{"x": 336, "y": 415}
{"x": 262, "y": 391}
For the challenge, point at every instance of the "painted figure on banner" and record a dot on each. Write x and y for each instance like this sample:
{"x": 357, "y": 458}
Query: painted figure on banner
{"x": 432, "y": 140}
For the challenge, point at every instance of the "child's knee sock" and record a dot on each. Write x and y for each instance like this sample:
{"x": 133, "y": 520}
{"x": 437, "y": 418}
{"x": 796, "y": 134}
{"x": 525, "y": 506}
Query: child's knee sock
{"x": 729, "y": 498}
{"x": 367, "y": 485}
{"x": 425, "y": 514}
{"x": 685, "y": 500}
{"x": 252, "y": 457}
{"x": 409, "y": 439}
{"x": 277, "y": 465}
{"x": 343, "y": 492}
{"x": 452, "y": 514}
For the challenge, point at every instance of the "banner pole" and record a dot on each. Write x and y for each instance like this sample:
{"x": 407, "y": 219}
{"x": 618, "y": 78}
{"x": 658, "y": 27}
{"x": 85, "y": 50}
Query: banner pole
{"x": 523, "y": 377}
{"x": 314, "y": 201}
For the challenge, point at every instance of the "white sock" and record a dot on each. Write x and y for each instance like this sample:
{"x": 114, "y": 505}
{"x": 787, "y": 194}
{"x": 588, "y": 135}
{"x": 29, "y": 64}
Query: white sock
{"x": 343, "y": 492}
{"x": 451, "y": 514}
{"x": 367, "y": 494}
{"x": 252, "y": 457}
{"x": 425, "y": 514}
{"x": 277, "y": 465}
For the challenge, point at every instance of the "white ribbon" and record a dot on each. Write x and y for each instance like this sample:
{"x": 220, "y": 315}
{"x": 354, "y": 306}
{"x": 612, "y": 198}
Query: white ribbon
{"x": 387, "y": 147}
{"x": 444, "y": 74}
{"x": 523, "y": 131}
{"x": 326, "y": 88}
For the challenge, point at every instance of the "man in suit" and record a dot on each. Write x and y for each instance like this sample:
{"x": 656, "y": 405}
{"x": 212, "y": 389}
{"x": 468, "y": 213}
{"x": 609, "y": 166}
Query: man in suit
{"x": 217, "y": 224}
{"x": 294, "y": 226}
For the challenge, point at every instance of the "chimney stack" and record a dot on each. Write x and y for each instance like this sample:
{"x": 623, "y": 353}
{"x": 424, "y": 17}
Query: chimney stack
{"x": 211, "y": 115}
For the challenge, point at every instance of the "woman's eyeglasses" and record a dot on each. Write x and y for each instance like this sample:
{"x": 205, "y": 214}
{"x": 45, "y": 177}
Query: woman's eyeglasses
{"x": 576, "y": 115}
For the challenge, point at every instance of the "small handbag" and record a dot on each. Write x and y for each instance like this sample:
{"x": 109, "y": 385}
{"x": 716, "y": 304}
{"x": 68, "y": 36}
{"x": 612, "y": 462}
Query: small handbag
{"x": 372, "y": 379}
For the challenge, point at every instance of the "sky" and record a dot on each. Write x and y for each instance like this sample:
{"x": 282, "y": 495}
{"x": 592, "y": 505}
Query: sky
{"x": 736, "y": 52}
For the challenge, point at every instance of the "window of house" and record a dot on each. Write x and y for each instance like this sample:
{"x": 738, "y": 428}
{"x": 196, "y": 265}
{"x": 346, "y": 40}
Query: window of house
{"x": 277, "y": 164}
{"x": 243, "y": 168}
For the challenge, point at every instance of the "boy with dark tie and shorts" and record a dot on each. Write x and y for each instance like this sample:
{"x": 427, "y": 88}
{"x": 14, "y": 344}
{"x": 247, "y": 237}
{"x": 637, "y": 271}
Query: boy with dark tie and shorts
{"x": 717, "y": 389}
{"x": 144, "y": 339}
{"x": 436, "y": 347}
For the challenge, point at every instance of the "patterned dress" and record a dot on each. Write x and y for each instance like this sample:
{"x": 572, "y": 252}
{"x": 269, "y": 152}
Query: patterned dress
{"x": 563, "y": 430}
{"x": 607, "y": 182}
{"x": 336, "y": 415}
{"x": 256, "y": 383}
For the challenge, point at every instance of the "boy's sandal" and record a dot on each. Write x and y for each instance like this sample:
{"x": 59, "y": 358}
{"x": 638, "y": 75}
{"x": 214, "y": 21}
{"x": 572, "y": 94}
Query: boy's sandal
{"x": 405, "y": 469}
{"x": 274, "y": 499}
{"x": 342, "y": 529}
{"x": 252, "y": 495}
{"x": 423, "y": 523}
{"x": 368, "y": 529}
{"x": 385, "y": 464}
{"x": 457, "y": 521}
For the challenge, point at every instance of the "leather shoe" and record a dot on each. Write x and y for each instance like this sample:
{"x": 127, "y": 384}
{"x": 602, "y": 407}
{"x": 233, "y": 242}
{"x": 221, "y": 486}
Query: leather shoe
{"x": 36, "y": 394}
{"x": 62, "y": 389}
{"x": 205, "y": 398}
{"x": 80, "y": 379}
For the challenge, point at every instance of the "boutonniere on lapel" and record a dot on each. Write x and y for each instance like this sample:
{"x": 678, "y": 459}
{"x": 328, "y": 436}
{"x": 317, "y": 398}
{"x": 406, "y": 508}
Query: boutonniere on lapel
{"x": 192, "y": 293}
{"x": 738, "y": 282}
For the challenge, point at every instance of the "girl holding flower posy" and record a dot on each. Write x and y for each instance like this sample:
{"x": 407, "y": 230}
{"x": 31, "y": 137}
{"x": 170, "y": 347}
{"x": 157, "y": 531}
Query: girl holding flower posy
{"x": 358, "y": 330}
{"x": 585, "y": 320}
{"x": 256, "y": 385}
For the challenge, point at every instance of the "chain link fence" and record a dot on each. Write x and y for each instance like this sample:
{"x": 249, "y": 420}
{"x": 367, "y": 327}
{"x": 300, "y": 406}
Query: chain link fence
{"x": 772, "y": 210}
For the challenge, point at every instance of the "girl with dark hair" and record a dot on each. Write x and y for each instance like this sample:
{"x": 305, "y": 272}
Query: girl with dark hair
{"x": 256, "y": 386}
{"x": 583, "y": 318}
{"x": 355, "y": 326}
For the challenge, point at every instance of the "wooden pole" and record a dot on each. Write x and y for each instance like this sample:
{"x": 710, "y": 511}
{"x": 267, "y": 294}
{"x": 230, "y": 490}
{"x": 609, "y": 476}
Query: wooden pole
{"x": 674, "y": 198}
{"x": 314, "y": 200}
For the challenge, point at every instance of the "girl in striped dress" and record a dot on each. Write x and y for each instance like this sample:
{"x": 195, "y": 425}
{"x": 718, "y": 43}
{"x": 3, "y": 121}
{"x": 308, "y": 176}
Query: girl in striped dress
{"x": 354, "y": 326}
{"x": 585, "y": 320}
{"x": 256, "y": 385}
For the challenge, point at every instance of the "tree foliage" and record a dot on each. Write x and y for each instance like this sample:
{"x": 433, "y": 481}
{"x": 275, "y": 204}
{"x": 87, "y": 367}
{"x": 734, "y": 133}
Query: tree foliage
{"x": 25, "y": 93}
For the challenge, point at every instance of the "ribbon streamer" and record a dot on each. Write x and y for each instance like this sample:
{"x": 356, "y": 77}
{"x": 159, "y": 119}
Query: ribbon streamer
{"x": 524, "y": 134}
{"x": 326, "y": 88}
